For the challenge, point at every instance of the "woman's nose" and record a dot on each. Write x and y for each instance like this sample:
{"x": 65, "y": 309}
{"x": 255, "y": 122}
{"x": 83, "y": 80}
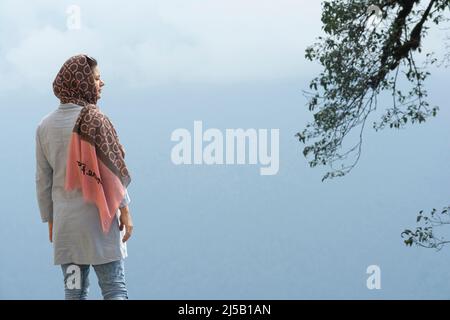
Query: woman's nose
{"x": 102, "y": 83}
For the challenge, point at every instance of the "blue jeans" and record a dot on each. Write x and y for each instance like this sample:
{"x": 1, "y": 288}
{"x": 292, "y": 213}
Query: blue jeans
{"x": 111, "y": 279}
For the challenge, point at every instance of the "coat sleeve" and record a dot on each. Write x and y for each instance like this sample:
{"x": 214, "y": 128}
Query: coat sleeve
{"x": 44, "y": 182}
{"x": 126, "y": 200}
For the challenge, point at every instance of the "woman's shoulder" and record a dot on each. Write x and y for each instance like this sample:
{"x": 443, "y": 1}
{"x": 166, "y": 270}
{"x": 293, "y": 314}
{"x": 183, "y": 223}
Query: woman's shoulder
{"x": 45, "y": 120}
{"x": 95, "y": 112}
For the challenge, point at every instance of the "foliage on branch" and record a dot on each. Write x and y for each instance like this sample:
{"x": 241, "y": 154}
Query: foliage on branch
{"x": 425, "y": 234}
{"x": 360, "y": 61}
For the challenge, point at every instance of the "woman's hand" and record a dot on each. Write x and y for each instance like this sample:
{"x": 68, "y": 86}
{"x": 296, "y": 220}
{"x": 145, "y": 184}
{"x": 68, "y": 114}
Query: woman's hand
{"x": 127, "y": 222}
{"x": 50, "y": 231}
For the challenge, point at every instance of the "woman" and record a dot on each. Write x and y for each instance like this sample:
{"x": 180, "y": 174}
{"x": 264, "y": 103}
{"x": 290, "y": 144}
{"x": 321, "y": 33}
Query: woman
{"x": 81, "y": 181}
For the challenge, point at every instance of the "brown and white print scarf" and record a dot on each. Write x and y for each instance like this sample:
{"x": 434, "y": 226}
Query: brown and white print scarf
{"x": 95, "y": 159}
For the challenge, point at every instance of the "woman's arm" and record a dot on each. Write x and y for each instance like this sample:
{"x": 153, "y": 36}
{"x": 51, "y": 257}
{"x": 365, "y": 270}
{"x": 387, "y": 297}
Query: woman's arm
{"x": 127, "y": 222}
{"x": 44, "y": 182}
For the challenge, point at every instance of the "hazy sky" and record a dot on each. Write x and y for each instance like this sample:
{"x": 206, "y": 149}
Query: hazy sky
{"x": 159, "y": 42}
{"x": 211, "y": 232}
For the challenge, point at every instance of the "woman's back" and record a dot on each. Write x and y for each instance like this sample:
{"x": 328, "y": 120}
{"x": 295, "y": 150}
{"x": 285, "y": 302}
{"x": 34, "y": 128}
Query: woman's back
{"x": 77, "y": 232}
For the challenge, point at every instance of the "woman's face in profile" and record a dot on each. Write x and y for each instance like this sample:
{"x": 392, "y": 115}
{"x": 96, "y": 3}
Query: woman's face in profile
{"x": 98, "y": 82}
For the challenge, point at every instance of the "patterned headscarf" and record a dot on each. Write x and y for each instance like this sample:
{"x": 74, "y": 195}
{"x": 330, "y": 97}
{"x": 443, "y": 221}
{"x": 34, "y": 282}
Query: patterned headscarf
{"x": 95, "y": 160}
{"x": 75, "y": 82}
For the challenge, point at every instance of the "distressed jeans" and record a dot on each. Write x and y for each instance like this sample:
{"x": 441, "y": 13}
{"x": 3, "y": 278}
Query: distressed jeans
{"x": 111, "y": 279}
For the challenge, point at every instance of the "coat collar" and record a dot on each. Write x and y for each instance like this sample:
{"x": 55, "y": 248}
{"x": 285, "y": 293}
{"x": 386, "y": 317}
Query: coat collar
{"x": 65, "y": 106}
